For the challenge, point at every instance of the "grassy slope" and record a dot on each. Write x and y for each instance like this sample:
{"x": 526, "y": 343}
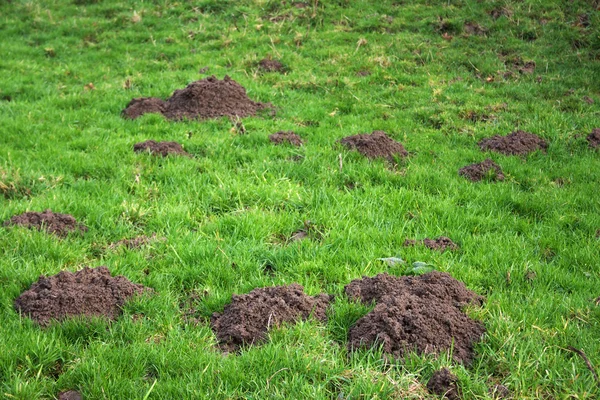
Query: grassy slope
{"x": 67, "y": 148}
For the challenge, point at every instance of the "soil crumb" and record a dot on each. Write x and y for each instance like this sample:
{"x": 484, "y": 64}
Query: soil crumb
{"x": 282, "y": 137}
{"x": 415, "y": 313}
{"x": 159, "y": 148}
{"x": 479, "y": 171}
{"x": 87, "y": 292}
{"x": 516, "y": 143}
{"x": 136, "y": 242}
{"x": 59, "y": 224}
{"x": 594, "y": 138}
{"x": 375, "y": 145}
{"x": 443, "y": 383}
{"x": 70, "y": 395}
{"x": 269, "y": 65}
{"x": 442, "y": 243}
{"x": 246, "y": 320}
{"x": 206, "y": 98}
{"x": 499, "y": 391}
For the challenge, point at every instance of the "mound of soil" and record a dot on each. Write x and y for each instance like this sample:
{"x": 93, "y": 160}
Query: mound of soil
{"x": 443, "y": 383}
{"x": 246, "y": 320}
{"x": 442, "y": 243}
{"x": 516, "y": 143}
{"x": 159, "y": 148}
{"x": 88, "y": 292}
{"x": 58, "y": 224}
{"x": 286, "y": 137}
{"x": 269, "y": 65}
{"x": 594, "y": 138}
{"x": 415, "y": 313}
{"x": 206, "y": 98}
{"x": 479, "y": 171}
{"x": 70, "y": 395}
{"x": 375, "y": 145}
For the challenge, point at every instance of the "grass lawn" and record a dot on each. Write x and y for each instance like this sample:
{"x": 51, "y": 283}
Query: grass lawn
{"x": 437, "y": 76}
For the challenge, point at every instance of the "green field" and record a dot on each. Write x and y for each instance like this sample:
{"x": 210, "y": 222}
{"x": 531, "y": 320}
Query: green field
{"x": 443, "y": 75}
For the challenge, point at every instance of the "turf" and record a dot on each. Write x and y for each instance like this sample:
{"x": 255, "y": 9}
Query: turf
{"x": 528, "y": 244}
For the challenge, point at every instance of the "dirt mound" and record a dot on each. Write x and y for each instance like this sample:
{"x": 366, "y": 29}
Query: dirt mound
{"x": 269, "y": 65}
{"x": 442, "y": 243}
{"x": 286, "y": 137}
{"x": 246, "y": 320}
{"x": 443, "y": 383}
{"x": 516, "y": 143}
{"x": 70, "y": 395}
{"x": 142, "y": 105}
{"x": 58, "y": 224}
{"x": 594, "y": 138}
{"x": 375, "y": 145}
{"x": 159, "y": 148}
{"x": 88, "y": 292}
{"x": 479, "y": 171}
{"x": 415, "y": 313}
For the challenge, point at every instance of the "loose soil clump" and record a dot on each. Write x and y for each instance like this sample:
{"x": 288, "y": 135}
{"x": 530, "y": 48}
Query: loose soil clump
{"x": 517, "y": 143}
{"x": 594, "y": 138}
{"x": 88, "y": 292}
{"x": 375, "y": 145}
{"x": 159, "y": 148}
{"x": 479, "y": 171}
{"x": 282, "y": 137}
{"x": 247, "y": 319}
{"x": 442, "y": 243}
{"x": 415, "y": 313}
{"x": 58, "y": 224}
{"x": 70, "y": 395}
{"x": 269, "y": 65}
{"x": 443, "y": 383}
{"x": 206, "y": 98}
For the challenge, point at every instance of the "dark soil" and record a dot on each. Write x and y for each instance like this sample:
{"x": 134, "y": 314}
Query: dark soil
{"x": 159, "y": 148}
{"x": 206, "y": 98}
{"x": 442, "y": 243}
{"x": 88, "y": 292}
{"x": 246, "y": 320}
{"x": 58, "y": 224}
{"x": 136, "y": 242}
{"x": 286, "y": 137}
{"x": 516, "y": 143}
{"x": 70, "y": 395}
{"x": 415, "y": 313}
{"x": 594, "y": 138}
{"x": 479, "y": 171}
{"x": 499, "y": 391}
{"x": 443, "y": 383}
{"x": 518, "y": 64}
{"x": 269, "y": 65}
{"x": 375, "y": 145}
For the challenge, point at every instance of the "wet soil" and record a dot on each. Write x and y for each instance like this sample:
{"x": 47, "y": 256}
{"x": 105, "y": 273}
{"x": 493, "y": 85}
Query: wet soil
{"x": 486, "y": 169}
{"x": 159, "y": 148}
{"x": 206, "y": 98}
{"x": 375, "y": 145}
{"x": 415, "y": 313}
{"x": 289, "y": 137}
{"x": 248, "y": 318}
{"x": 516, "y": 143}
{"x": 443, "y": 383}
{"x": 594, "y": 138}
{"x": 70, "y": 395}
{"x": 87, "y": 292}
{"x": 269, "y": 65}
{"x": 442, "y": 243}
{"x": 58, "y": 224}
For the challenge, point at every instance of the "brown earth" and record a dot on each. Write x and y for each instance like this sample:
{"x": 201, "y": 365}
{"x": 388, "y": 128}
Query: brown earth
{"x": 443, "y": 383}
{"x": 473, "y": 28}
{"x": 415, "y": 313}
{"x": 136, "y": 242}
{"x": 499, "y": 391}
{"x": 159, "y": 148}
{"x": 88, "y": 292}
{"x": 269, "y": 65}
{"x": 594, "y": 138}
{"x": 246, "y": 320}
{"x": 206, "y": 98}
{"x": 58, "y": 224}
{"x": 516, "y": 143}
{"x": 286, "y": 137}
{"x": 70, "y": 395}
{"x": 442, "y": 243}
{"x": 479, "y": 171}
{"x": 375, "y": 145}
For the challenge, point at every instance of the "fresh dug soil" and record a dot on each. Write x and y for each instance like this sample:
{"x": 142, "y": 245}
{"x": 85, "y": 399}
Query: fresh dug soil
{"x": 206, "y": 98}
{"x": 479, "y": 171}
{"x": 246, "y": 320}
{"x": 594, "y": 138}
{"x": 442, "y": 243}
{"x": 516, "y": 143}
{"x": 58, "y": 224}
{"x": 375, "y": 145}
{"x": 159, "y": 148}
{"x": 88, "y": 292}
{"x": 415, "y": 313}
{"x": 269, "y": 65}
{"x": 443, "y": 383}
{"x": 70, "y": 395}
{"x": 282, "y": 137}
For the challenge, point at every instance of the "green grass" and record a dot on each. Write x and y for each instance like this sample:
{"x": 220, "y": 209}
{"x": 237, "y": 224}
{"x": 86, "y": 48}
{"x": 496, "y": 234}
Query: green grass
{"x": 67, "y": 148}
